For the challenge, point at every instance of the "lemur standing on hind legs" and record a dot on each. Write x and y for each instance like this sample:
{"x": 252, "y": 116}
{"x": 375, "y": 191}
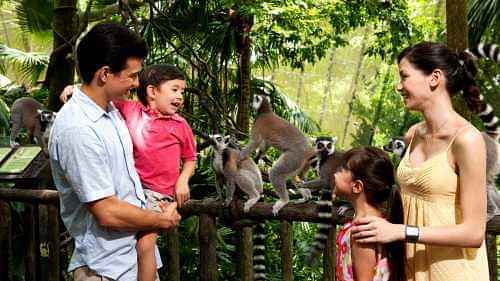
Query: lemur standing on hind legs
{"x": 232, "y": 171}
{"x": 271, "y": 130}
{"x": 246, "y": 175}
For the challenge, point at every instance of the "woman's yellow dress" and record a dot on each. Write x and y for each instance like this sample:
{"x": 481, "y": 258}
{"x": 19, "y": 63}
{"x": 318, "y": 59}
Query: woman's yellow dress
{"x": 431, "y": 198}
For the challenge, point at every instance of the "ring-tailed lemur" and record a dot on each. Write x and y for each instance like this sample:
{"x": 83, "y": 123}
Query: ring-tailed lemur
{"x": 247, "y": 176}
{"x": 327, "y": 162}
{"x": 487, "y": 115}
{"x": 28, "y": 113}
{"x": 271, "y": 130}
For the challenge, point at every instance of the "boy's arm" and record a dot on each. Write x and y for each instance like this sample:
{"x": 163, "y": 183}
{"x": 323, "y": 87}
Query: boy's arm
{"x": 364, "y": 260}
{"x": 182, "y": 187}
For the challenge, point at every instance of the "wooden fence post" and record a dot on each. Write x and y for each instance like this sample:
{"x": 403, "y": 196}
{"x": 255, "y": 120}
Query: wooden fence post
{"x": 54, "y": 248}
{"x": 245, "y": 253}
{"x": 329, "y": 255}
{"x": 491, "y": 247}
{"x": 5, "y": 241}
{"x": 208, "y": 245}
{"x": 173, "y": 263}
{"x": 286, "y": 235}
{"x": 30, "y": 270}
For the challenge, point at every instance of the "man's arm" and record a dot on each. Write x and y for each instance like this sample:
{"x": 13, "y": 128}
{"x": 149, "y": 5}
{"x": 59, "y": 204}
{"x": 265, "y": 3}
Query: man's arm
{"x": 112, "y": 212}
{"x": 80, "y": 154}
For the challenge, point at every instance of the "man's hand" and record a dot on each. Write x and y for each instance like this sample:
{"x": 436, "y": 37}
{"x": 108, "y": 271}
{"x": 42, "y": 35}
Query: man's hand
{"x": 66, "y": 93}
{"x": 181, "y": 192}
{"x": 169, "y": 216}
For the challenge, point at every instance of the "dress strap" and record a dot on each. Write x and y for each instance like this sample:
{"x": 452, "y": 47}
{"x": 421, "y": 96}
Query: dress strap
{"x": 456, "y": 135}
{"x": 407, "y": 152}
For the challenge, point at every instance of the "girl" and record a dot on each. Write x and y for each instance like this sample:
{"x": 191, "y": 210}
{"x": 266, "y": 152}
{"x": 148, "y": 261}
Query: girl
{"x": 366, "y": 179}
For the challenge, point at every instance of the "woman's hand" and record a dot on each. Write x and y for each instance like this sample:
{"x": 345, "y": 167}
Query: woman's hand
{"x": 376, "y": 230}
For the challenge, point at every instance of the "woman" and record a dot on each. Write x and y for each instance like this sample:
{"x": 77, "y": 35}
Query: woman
{"x": 442, "y": 174}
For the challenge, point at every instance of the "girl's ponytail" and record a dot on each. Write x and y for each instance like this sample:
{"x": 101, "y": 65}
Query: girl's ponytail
{"x": 396, "y": 251}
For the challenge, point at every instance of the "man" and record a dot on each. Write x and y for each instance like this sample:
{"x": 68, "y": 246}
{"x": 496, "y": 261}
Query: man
{"x": 92, "y": 162}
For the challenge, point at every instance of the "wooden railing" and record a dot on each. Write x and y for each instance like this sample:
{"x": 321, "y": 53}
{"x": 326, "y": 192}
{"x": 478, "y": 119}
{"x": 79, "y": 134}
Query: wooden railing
{"x": 38, "y": 253}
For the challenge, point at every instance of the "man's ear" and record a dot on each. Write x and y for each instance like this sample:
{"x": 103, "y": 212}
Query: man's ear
{"x": 357, "y": 187}
{"x": 103, "y": 73}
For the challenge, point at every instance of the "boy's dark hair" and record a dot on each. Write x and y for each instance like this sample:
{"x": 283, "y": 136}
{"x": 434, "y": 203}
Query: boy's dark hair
{"x": 374, "y": 168}
{"x": 108, "y": 44}
{"x": 155, "y": 75}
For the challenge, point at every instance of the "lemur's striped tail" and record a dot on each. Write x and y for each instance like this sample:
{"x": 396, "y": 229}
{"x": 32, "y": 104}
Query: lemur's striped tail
{"x": 487, "y": 115}
{"x": 259, "y": 252}
{"x": 321, "y": 237}
{"x": 490, "y": 51}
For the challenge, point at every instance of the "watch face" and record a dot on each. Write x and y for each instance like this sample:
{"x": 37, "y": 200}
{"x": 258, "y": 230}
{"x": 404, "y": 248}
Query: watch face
{"x": 412, "y": 231}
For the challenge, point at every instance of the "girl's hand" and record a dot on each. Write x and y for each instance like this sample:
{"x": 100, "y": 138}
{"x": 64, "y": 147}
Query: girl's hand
{"x": 181, "y": 192}
{"x": 376, "y": 230}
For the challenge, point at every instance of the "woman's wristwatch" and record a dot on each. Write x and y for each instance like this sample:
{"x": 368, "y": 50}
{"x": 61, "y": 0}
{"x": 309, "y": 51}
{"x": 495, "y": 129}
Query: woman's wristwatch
{"x": 411, "y": 233}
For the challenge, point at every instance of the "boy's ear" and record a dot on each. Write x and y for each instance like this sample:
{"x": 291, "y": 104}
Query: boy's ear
{"x": 150, "y": 91}
{"x": 357, "y": 187}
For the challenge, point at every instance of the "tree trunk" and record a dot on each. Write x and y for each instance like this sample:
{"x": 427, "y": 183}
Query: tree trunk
{"x": 456, "y": 24}
{"x": 244, "y": 23}
{"x": 327, "y": 92}
{"x": 353, "y": 89}
{"x": 299, "y": 87}
{"x": 60, "y": 71}
{"x": 378, "y": 110}
{"x": 457, "y": 39}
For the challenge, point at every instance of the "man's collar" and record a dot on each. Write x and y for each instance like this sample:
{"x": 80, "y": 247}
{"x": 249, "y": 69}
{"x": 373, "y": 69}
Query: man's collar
{"x": 91, "y": 109}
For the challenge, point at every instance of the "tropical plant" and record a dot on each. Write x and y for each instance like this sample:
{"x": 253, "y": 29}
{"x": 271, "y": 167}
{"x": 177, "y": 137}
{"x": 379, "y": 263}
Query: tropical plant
{"x": 30, "y": 64}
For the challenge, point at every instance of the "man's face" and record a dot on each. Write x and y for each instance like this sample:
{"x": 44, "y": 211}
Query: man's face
{"x": 119, "y": 84}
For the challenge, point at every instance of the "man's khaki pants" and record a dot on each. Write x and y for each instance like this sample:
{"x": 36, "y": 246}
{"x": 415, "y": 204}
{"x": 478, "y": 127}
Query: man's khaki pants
{"x": 86, "y": 274}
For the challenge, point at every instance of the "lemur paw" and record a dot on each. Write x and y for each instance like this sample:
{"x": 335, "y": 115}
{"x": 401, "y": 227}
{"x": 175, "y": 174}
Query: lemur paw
{"x": 342, "y": 210}
{"x": 278, "y": 206}
{"x": 227, "y": 203}
{"x": 14, "y": 144}
{"x": 305, "y": 193}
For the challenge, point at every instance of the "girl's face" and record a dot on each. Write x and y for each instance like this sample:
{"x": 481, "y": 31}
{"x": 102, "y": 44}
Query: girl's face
{"x": 413, "y": 85}
{"x": 343, "y": 183}
{"x": 167, "y": 98}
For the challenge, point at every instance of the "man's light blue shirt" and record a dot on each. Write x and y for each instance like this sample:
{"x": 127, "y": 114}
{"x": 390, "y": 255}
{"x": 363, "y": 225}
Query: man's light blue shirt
{"x": 91, "y": 158}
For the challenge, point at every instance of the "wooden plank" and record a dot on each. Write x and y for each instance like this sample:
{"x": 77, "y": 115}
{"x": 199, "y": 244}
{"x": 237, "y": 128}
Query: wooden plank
{"x": 286, "y": 250}
{"x": 208, "y": 245}
{"x": 29, "y": 243}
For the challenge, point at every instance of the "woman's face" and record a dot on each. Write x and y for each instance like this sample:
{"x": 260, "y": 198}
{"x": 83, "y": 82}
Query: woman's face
{"x": 413, "y": 86}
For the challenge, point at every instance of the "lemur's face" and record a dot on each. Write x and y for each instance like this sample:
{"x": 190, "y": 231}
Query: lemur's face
{"x": 396, "y": 146}
{"x": 325, "y": 144}
{"x": 218, "y": 142}
{"x": 257, "y": 101}
{"x": 47, "y": 116}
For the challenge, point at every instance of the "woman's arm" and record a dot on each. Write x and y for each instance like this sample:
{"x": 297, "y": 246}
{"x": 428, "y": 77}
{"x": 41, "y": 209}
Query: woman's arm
{"x": 470, "y": 155}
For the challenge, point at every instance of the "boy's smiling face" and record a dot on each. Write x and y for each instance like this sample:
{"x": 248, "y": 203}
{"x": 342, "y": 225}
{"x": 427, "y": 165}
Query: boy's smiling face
{"x": 167, "y": 98}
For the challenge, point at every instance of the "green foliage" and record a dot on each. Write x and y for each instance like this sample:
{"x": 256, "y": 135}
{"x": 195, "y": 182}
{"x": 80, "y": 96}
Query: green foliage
{"x": 484, "y": 20}
{"x": 34, "y": 15}
{"x": 29, "y": 64}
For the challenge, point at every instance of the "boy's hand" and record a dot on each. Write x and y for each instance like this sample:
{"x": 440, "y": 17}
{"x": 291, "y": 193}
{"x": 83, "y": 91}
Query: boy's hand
{"x": 181, "y": 192}
{"x": 170, "y": 216}
{"x": 66, "y": 93}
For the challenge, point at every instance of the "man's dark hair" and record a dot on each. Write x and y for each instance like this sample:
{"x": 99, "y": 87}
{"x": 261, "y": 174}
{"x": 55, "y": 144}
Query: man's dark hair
{"x": 108, "y": 44}
{"x": 155, "y": 75}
